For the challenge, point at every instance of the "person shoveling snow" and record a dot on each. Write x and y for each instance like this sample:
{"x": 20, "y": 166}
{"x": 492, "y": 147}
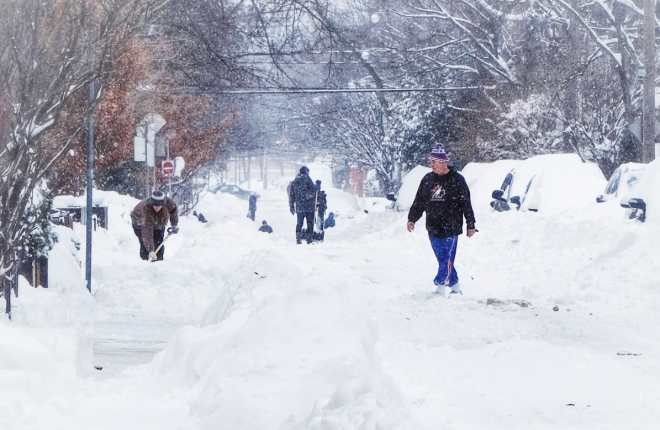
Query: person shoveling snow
{"x": 149, "y": 221}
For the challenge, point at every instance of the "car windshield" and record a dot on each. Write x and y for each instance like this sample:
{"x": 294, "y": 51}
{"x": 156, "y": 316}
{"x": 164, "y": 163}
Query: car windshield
{"x": 529, "y": 184}
{"x": 613, "y": 184}
{"x": 507, "y": 181}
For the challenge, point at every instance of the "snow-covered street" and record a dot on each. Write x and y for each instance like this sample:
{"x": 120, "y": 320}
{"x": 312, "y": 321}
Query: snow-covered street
{"x": 479, "y": 183}
{"x": 239, "y": 329}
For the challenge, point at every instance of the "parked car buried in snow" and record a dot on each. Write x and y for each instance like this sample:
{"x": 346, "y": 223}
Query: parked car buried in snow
{"x": 235, "y": 190}
{"x": 483, "y": 177}
{"x": 404, "y": 196}
{"x": 622, "y": 181}
{"x": 549, "y": 183}
{"x": 643, "y": 200}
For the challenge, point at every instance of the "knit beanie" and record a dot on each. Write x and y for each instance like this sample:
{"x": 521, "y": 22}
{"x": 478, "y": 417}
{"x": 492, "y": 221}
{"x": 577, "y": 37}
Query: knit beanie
{"x": 157, "y": 198}
{"x": 438, "y": 153}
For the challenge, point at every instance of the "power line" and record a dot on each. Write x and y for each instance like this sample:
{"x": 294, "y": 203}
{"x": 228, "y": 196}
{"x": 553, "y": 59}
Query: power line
{"x": 313, "y": 52}
{"x": 323, "y": 90}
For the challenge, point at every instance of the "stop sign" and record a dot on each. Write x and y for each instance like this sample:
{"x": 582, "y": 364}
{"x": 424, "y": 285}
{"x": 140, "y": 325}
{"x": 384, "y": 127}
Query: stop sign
{"x": 168, "y": 168}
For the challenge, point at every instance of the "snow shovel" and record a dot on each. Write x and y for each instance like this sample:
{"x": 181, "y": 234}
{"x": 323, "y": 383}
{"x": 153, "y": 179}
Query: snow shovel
{"x": 166, "y": 237}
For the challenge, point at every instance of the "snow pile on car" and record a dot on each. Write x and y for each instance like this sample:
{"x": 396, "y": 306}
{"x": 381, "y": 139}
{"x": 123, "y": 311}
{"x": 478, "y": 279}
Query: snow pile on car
{"x": 409, "y": 185}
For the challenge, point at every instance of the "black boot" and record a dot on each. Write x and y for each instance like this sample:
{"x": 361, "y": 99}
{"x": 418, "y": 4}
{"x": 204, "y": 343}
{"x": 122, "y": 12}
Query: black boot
{"x": 298, "y": 237}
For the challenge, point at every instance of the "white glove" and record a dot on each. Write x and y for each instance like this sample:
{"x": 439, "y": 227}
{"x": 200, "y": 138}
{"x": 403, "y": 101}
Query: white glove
{"x": 153, "y": 256}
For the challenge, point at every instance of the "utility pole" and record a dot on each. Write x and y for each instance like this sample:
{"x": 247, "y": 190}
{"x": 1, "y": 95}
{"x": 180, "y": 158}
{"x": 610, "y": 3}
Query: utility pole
{"x": 147, "y": 187}
{"x": 90, "y": 186}
{"x": 265, "y": 170}
{"x": 236, "y": 171}
{"x": 648, "y": 117}
{"x": 249, "y": 173}
{"x": 169, "y": 177}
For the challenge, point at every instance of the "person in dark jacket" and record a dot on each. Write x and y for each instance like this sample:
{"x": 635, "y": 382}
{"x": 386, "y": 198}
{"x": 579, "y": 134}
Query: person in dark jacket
{"x": 321, "y": 205}
{"x": 149, "y": 219}
{"x": 330, "y": 222}
{"x": 445, "y": 197}
{"x": 200, "y": 217}
{"x": 302, "y": 199}
{"x": 265, "y": 227}
{"x": 252, "y": 208}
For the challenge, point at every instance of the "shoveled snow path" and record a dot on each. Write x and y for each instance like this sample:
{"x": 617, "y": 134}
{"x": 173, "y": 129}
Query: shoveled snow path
{"x": 141, "y": 304}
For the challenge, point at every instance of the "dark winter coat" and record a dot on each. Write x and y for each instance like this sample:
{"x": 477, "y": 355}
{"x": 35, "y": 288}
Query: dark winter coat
{"x": 266, "y": 228}
{"x": 322, "y": 202}
{"x": 330, "y": 222}
{"x": 302, "y": 194}
{"x": 145, "y": 216}
{"x": 446, "y": 200}
{"x": 252, "y": 205}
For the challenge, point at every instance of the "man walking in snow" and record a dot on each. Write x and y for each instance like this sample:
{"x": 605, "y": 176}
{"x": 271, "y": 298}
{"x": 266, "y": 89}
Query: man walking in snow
{"x": 445, "y": 196}
{"x": 302, "y": 199}
{"x": 149, "y": 219}
{"x": 252, "y": 206}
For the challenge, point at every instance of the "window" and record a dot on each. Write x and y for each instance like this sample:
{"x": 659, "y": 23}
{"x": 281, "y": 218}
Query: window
{"x": 507, "y": 181}
{"x": 613, "y": 184}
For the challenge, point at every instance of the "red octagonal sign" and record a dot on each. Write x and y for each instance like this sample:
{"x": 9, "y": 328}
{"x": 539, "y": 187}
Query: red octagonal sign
{"x": 168, "y": 168}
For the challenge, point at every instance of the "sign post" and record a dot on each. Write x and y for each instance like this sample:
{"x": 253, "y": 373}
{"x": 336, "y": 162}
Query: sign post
{"x": 144, "y": 145}
{"x": 168, "y": 171}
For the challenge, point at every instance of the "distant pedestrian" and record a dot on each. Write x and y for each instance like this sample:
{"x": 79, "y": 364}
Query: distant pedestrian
{"x": 321, "y": 205}
{"x": 200, "y": 217}
{"x": 330, "y": 222}
{"x": 265, "y": 227}
{"x": 445, "y": 197}
{"x": 302, "y": 198}
{"x": 252, "y": 208}
{"x": 149, "y": 219}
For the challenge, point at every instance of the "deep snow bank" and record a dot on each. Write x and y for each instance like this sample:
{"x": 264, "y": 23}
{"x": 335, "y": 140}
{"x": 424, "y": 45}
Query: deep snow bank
{"x": 294, "y": 349}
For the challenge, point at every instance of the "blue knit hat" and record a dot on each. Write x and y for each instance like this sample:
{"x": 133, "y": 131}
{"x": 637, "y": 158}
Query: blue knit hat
{"x": 438, "y": 153}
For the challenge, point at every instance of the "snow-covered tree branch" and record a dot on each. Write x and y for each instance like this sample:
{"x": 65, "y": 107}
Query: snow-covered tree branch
{"x": 49, "y": 52}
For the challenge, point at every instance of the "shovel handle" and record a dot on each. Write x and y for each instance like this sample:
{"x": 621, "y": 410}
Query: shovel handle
{"x": 161, "y": 244}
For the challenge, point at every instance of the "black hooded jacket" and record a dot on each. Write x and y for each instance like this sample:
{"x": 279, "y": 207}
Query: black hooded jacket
{"x": 446, "y": 200}
{"x": 303, "y": 194}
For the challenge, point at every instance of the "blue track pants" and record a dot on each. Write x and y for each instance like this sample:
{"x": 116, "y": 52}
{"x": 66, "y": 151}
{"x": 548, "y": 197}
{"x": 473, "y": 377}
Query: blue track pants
{"x": 445, "y": 252}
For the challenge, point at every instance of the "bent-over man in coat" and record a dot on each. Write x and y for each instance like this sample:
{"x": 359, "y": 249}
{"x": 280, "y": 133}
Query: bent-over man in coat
{"x": 149, "y": 219}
